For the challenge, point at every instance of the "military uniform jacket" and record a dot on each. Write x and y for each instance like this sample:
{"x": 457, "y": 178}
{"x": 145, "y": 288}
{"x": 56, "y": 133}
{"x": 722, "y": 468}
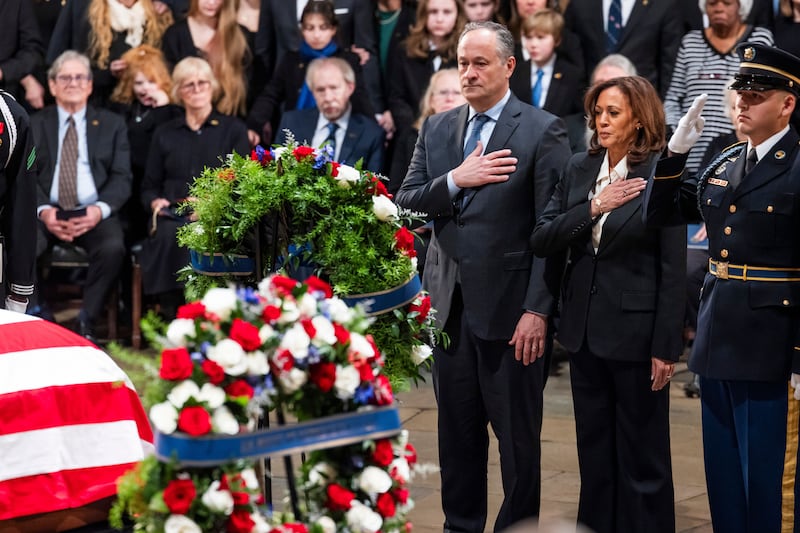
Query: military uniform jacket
{"x": 748, "y": 329}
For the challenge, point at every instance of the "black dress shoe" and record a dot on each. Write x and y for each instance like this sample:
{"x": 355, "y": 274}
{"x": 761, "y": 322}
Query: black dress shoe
{"x": 86, "y": 331}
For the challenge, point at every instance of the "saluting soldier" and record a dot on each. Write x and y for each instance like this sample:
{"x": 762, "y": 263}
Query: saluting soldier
{"x": 17, "y": 205}
{"x": 747, "y": 348}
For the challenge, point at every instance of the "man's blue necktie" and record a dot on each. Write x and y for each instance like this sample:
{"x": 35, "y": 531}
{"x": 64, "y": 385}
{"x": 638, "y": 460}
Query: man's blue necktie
{"x": 478, "y": 122}
{"x": 331, "y": 140}
{"x": 614, "y": 28}
{"x": 536, "y": 93}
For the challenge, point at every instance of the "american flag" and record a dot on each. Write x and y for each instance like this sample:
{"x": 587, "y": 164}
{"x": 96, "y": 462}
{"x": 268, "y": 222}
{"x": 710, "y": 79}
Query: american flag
{"x": 70, "y": 419}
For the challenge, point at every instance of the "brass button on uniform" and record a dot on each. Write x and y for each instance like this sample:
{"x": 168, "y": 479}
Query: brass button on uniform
{"x": 732, "y": 208}
{"x": 770, "y": 209}
{"x": 786, "y": 302}
{"x": 723, "y": 253}
{"x": 727, "y": 230}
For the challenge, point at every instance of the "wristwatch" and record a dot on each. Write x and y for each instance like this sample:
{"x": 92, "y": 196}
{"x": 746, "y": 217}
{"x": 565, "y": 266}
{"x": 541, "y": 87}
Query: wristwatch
{"x": 599, "y": 203}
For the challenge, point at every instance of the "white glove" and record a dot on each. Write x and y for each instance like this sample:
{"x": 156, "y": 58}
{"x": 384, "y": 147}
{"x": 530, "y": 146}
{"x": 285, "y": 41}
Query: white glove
{"x": 795, "y": 382}
{"x": 15, "y": 305}
{"x": 689, "y": 127}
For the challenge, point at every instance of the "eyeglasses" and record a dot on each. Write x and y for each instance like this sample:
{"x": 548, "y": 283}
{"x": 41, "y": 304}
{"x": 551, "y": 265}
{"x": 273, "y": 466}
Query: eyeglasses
{"x": 195, "y": 86}
{"x": 66, "y": 79}
{"x": 447, "y": 92}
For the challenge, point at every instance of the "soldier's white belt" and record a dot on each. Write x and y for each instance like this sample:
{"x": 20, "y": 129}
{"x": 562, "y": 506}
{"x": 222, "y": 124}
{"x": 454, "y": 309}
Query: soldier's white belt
{"x": 725, "y": 270}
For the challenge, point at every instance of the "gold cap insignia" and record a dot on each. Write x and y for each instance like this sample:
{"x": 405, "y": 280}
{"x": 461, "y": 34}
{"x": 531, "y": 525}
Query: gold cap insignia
{"x": 214, "y": 122}
{"x": 749, "y": 53}
{"x": 780, "y": 154}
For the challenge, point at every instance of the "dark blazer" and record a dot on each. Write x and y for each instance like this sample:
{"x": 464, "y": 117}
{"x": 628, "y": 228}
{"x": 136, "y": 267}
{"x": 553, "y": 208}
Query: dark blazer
{"x": 485, "y": 244}
{"x": 565, "y": 95}
{"x": 747, "y": 330}
{"x": 109, "y": 154}
{"x": 363, "y": 138}
{"x": 650, "y": 39}
{"x": 20, "y": 44}
{"x": 627, "y": 300}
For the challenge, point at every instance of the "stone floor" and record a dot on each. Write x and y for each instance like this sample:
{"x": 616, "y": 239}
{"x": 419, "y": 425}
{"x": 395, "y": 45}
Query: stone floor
{"x": 560, "y": 481}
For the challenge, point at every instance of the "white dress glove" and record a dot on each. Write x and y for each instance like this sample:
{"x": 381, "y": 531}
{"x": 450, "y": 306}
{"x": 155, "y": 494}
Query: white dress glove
{"x": 16, "y": 306}
{"x": 795, "y": 383}
{"x": 689, "y": 127}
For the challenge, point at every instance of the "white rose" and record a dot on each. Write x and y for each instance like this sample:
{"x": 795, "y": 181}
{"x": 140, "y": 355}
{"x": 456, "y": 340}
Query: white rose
{"x": 414, "y": 263}
{"x": 360, "y": 347}
{"x": 347, "y": 381}
{"x": 223, "y": 421}
{"x": 289, "y": 313}
{"x": 220, "y": 302}
{"x": 347, "y": 175}
{"x": 250, "y": 479}
{"x": 401, "y": 469}
{"x": 266, "y": 333}
{"x": 279, "y": 151}
{"x": 228, "y": 354}
{"x": 362, "y": 519}
{"x": 179, "y": 329}
{"x": 181, "y": 392}
{"x": 296, "y": 341}
{"x": 164, "y": 417}
{"x": 420, "y": 352}
{"x": 321, "y": 474}
{"x": 293, "y": 380}
{"x": 374, "y": 480}
{"x": 178, "y": 523}
{"x": 257, "y": 363}
{"x": 259, "y": 524}
{"x": 325, "y": 332}
{"x": 384, "y": 208}
{"x": 339, "y": 311}
{"x": 326, "y": 524}
{"x": 219, "y": 501}
{"x": 307, "y": 305}
{"x": 211, "y": 394}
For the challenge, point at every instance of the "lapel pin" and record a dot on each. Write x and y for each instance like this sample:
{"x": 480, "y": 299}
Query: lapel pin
{"x": 780, "y": 154}
{"x": 644, "y": 2}
{"x": 557, "y": 75}
{"x": 720, "y": 169}
{"x": 214, "y": 122}
{"x": 95, "y": 122}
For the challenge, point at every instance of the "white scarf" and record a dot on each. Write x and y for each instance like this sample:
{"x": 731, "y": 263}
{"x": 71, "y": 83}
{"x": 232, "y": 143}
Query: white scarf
{"x": 128, "y": 19}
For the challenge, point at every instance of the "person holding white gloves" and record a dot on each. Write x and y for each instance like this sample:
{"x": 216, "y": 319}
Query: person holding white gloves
{"x": 747, "y": 348}
{"x": 17, "y": 205}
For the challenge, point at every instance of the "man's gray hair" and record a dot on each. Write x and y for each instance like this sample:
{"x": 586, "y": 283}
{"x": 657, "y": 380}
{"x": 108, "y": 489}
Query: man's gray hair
{"x": 745, "y": 6}
{"x": 69, "y": 55}
{"x": 341, "y": 64}
{"x": 505, "y": 40}
{"x": 616, "y": 60}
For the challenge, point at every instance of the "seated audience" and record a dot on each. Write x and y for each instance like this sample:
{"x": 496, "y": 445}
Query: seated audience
{"x": 180, "y": 150}
{"x": 83, "y": 174}
{"x": 350, "y": 135}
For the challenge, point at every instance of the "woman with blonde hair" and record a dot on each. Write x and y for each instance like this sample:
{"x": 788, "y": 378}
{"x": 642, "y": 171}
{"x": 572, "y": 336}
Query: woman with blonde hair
{"x": 104, "y": 30}
{"x": 211, "y": 31}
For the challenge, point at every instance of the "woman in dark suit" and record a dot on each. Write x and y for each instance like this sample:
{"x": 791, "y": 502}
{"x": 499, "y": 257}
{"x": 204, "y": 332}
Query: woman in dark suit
{"x": 622, "y": 303}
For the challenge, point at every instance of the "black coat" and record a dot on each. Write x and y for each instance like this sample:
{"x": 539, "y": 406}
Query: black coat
{"x": 20, "y": 44}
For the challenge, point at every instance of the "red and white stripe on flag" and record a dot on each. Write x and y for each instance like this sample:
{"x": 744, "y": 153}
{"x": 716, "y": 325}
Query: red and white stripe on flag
{"x": 71, "y": 422}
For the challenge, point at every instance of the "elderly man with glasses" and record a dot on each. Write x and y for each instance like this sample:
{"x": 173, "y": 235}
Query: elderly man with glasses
{"x": 84, "y": 177}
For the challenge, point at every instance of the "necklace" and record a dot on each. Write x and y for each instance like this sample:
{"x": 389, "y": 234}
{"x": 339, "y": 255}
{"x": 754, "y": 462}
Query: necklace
{"x": 140, "y": 116}
{"x": 388, "y": 20}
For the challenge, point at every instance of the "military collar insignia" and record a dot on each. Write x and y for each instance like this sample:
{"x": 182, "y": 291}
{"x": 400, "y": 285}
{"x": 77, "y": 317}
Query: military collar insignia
{"x": 780, "y": 154}
{"x": 720, "y": 169}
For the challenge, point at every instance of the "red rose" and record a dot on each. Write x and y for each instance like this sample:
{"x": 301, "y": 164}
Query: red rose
{"x": 239, "y": 388}
{"x": 339, "y": 498}
{"x": 404, "y": 241}
{"x": 365, "y": 372}
{"x": 215, "y": 373}
{"x": 383, "y": 390}
{"x": 283, "y": 361}
{"x": 383, "y": 454}
{"x": 240, "y": 521}
{"x": 376, "y": 353}
{"x": 302, "y": 151}
{"x": 270, "y": 314}
{"x": 176, "y": 364}
{"x": 401, "y": 495}
{"x": 385, "y": 505}
{"x": 311, "y": 331}
{"x": 179, "y": 495}
{"x": 284, "y": 285}
{"x": 335, "y": 168}
{"x": 342, "y": 335}
{"x": 411, "y": 454}
{"x": 323, "y": 375}
{"x": 378, "y": 188}
{"x": 192, "y": 310}
{"x": 194, "y": 420}
{"x": 295, "y": 528}
{"x": 246, "y": 334}
{"x": 316, "y": 284}
{"x": 240, "y": 498}
{"x": 423, "y": 308}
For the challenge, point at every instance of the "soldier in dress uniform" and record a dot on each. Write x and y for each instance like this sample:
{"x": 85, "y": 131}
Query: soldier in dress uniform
{"x": 17, "y": 205}
{"x": 747, "y": 348}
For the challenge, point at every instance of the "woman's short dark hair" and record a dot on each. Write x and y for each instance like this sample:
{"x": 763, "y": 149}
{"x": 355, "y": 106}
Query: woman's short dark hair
{"x": 646, "y": 108}
{"x": 323, "y": 8}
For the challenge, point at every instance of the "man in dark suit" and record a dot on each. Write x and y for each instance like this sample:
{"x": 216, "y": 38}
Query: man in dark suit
{"x": 493, "y": 297}
{"x": 84, "y": 177}
{"x": 649, "y": 35}
{"x": 350, "y": 135}
{"x": 747, "y": 347}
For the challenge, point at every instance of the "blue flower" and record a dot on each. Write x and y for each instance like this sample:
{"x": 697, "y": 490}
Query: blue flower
{"x": 197, "y": 357}
{"x": 323, "y": 157}
{"x": 247, "y": 294}
{"x": 313, "y": 355}
{"x": 363, "y": 394}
